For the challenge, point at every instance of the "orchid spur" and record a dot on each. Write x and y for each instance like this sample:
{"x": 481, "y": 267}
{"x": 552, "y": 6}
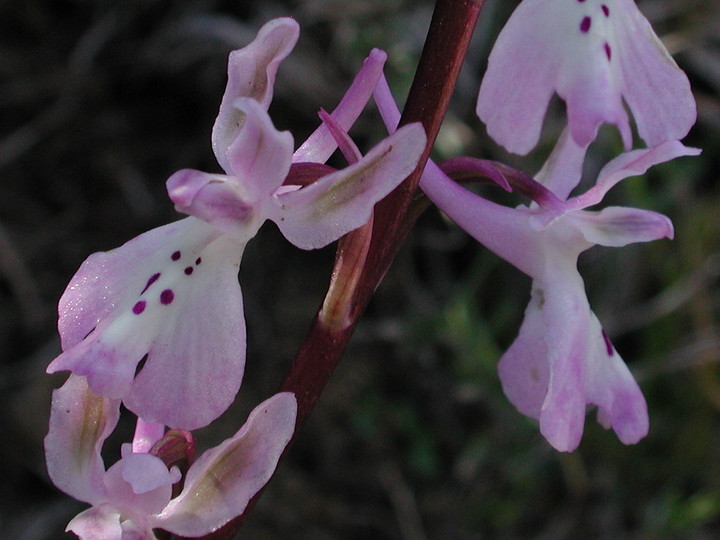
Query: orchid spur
{"x": 159, "y": 321}
{"x": 134, "y": 496}
{"x": 594, "y": 54}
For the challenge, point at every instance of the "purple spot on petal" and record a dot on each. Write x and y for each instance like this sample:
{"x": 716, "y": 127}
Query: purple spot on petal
{"x": 585, "y": 24}
{"x": 188, "y": 270}
{"x": 139, "y": 307}
{"x": 198, "y": 260}
{"x": 175, "y": 256}
{"x": 605, "y": 10}
{"x": 608, "y": 51}
{"x": 167, "y": 296}
{"x": 150, "y": 281}
{"x": 581, "y": 1}
{"x": 608, "y": 345}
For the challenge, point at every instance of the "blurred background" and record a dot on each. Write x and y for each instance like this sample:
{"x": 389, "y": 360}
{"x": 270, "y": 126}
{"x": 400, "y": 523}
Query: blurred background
{"x": 100, "y": 101}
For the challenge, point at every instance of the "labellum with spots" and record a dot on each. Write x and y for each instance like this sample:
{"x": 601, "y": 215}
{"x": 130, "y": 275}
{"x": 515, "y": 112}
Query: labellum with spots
{"x": 594, "y": 54}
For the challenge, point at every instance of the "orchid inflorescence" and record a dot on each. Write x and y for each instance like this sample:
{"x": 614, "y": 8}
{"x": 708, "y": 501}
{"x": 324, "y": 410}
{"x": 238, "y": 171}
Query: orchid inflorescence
{"x": 157, "y": 325}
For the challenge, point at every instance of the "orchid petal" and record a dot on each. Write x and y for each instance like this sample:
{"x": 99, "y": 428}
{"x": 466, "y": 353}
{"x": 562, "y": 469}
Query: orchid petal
{"x": 99, "y": 522}
{"x": 321, "y": 144}
{"x": 80, "y": 422}
{"x": 629, "y": 164}
{"x": 657, "y": 90}
{"x": 222, "y": 481}
{"x": 260, "y": 154}
{"x": 251, "y": 74}
{"x": 519, "y": 81}
{"x": 562, "y": 170}
{"x": 196, "y": 361}
{"x": 340, "y": 202}
{"x": 618, "y": 226}
{"x": 611, "y": 386}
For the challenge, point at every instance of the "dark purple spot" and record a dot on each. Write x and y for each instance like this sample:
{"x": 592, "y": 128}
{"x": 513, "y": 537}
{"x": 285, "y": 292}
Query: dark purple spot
{"x": 585, "y": 24}
{"x": 608, "y": 344}
{"x": 606, "y": 10}
{"x": 581, "y": 1}
{"x": 141, "y": 365}
{"x": 198, "y": 260}
{"x": 188, "y": 270}
{"x": 175, "y": 256}
{"x": 139, "y": 307}
{"x": 608, "y": 51}
{"x": 150, "y": 281}
{"x": 167, "y": 296}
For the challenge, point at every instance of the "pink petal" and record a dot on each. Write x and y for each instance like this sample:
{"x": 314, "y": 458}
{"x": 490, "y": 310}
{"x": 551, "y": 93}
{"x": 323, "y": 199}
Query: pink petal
{"x": 251, "y": 74}
{"x": 656, "y": 89}
{"x": 220, "y": 483}
{"x": 195, "y": 364}
{"x": 80, "y": 422}
{"x": 98, "y": 522}
{"x": 562, "y": 171}
{"x": 322, "y": 212}
{"x": 259, "y": 155}
{"x": 618, "y": 226}
{"x": 611, "y": 387}
{"x": 523, "y": 369}
{"x": 629, "y": 164}
{"x": 321, "y": 144}
{"x": 220, "y": 201}
{"x": 521, "y": 74}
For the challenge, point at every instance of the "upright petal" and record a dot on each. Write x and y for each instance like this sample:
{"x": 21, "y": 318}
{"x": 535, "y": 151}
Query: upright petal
{"x": 322, "y": 212}
{"x": 321, "y": 144}
{"x": 251, "y": 74}
{"x": 220, "y": 483}
{"x": 80, "y": 422}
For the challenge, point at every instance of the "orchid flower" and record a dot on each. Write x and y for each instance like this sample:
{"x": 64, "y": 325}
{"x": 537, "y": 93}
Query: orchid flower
{"x": 562, "y": 359}
{"x": 159, "y": 321}
{"x": 134, "y": 495}
{"x": 594, "y": 54}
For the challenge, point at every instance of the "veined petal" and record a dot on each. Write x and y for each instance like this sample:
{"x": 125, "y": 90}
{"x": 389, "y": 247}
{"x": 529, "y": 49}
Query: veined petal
{"x": 80, "y": 422}
{"x": 656, "y": 89}
{"x": 99, "y": 522}
{"x": 260, "y": 154}
{"x": 220, "y": 483}
{"x": 196, "y": 361}
{"x": 611, "y": 386}
{"x": 322, "y": 212}
{"x": 618, "y": 226}
{"x": 251, "y": 74}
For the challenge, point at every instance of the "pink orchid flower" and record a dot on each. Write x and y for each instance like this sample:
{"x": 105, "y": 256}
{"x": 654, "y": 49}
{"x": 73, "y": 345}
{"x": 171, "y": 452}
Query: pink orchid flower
{"x": 158, "y": 322}
{"x": 562, "y": 359}
{"x": 134, "y": 495}
{"x": 594, "y": 54}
